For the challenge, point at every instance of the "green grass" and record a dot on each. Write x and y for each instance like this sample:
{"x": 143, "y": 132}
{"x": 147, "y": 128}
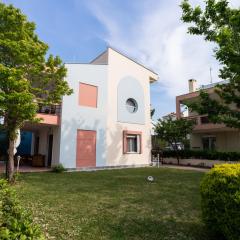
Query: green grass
{"x": 115, "y": 204}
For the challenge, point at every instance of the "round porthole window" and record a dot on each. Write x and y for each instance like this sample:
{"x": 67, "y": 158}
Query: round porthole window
{"x": 131, "y": 105}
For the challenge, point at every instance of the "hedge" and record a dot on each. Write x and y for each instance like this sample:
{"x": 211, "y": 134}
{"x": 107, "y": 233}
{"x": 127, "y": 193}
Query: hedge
{"x": 202, "y": 154}
{"x": 220, "y": 200}
{"x": 15, "y": 222}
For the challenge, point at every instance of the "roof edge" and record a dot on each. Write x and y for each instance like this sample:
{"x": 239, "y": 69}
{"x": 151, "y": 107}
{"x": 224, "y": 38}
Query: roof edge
{"x": 130, "y": 58}
{"x": 98, "y": 56}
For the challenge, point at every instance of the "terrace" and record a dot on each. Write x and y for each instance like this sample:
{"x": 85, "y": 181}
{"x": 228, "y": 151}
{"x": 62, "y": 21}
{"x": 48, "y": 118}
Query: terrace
{"x": 202, "y": 124}
{"x": 49, "y": 114}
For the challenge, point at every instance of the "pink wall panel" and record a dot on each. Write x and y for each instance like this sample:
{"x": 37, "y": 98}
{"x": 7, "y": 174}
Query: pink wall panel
{"x": 86, "y": 148}
{"x": 49, "y": 119}
{"x": 88, "y": 95}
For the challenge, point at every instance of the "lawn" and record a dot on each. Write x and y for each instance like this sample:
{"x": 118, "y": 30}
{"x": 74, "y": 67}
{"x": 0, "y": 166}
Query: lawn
{"x": 116, "y": 204}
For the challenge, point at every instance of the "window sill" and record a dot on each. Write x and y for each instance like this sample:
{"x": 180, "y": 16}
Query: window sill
{"x": 132, "y": 153}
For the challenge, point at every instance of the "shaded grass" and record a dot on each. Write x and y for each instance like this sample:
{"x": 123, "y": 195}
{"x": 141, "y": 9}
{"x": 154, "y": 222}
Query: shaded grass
{"x": 116, "y": 204}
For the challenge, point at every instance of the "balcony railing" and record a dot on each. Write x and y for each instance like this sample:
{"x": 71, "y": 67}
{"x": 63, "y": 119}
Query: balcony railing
{"x": 50, "y": 115}
{"x": 202, "y": 123}
{"x": 52, "y": 110}
{"x": 199, "y": 120}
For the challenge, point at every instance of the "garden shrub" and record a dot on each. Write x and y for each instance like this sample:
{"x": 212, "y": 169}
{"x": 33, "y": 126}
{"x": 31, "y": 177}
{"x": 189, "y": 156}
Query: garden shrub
{"x": 220, "y": 196}
{"x": 59, "y": 168}
{"x": 15, "y": 222}
{"x": 203, "y": 154}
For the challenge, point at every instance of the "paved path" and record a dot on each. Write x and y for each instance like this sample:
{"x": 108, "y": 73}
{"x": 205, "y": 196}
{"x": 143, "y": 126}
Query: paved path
{"x": 26, "y": 169}
{"x": 43, "y": 169}
{"x": 185, "y": 168}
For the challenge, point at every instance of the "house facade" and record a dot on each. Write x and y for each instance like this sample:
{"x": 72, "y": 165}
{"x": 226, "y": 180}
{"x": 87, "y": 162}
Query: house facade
{"x": 105, "y": 122}
{"x": 206, "y": 135}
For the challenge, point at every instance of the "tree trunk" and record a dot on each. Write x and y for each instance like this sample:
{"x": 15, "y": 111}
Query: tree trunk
{"x": 10, "y": 172}
{"x": 178, "y": 162}
{"x": 178, "y": 159}
{"x": 175, "y": 149}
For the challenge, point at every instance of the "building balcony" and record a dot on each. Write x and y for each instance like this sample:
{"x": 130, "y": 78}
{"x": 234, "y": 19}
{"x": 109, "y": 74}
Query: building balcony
{"x": 50, "y": 115}
{"x": 202, "y": 124}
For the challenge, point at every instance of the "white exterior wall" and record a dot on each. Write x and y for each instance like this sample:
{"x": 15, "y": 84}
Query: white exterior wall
{"x": 196, "y": 141}
{"x": 56, "y": 146}
{"x": 228, "y": 141}
{"x": 121, "y": 67}
{"x": 76, "y": 117}
{"x": 117, "y": 81}
{"x": 43, "y": 141}
{"x": 225, "y": 140}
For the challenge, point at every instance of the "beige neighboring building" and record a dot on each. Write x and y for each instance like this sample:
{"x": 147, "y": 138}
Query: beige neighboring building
{"x": 207, "y": 135}
{"x": 171, "y": 115}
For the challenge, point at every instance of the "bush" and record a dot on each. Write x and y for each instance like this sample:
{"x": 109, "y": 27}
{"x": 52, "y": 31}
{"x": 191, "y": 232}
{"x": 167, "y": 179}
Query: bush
{"x": 15, "y": 222}
{"x": 220, "y": 192}
{"x": 203, "y": 154}
{"x": 59, "y": 168}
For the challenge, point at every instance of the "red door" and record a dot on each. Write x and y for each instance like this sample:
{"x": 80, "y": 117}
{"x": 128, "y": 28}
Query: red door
{"x": 86, "y": 148}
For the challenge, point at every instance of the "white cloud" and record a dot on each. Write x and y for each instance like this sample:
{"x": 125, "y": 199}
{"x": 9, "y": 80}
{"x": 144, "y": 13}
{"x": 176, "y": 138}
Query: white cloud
{"x": 158, "y": 39}
{"x": 234, "y": 3}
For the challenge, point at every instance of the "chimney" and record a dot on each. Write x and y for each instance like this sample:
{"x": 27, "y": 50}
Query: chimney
{"x": 192, "y": 85}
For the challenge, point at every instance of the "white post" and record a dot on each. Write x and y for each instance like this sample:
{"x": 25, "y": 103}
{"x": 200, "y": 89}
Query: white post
{"x": 16, "y": 144}
{"x": 18, "y": 161}
{"x": 158, "y": 159}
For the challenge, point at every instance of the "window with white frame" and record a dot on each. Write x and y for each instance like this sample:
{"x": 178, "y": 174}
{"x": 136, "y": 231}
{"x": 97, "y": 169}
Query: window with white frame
{"x": 133, "y": 143}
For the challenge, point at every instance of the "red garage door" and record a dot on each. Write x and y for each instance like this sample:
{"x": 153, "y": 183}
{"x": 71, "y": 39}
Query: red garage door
{"x": 86, "y": 148}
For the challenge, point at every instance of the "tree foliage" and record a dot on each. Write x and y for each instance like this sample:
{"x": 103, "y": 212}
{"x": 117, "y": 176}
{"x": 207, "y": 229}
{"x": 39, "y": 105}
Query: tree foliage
{"x": 220, "y": 24}
{"x": 15, "y": 221}
{"x": 220, "y": 201}
{"x": 174, "y": 131}
{"x": 27, "y": 77}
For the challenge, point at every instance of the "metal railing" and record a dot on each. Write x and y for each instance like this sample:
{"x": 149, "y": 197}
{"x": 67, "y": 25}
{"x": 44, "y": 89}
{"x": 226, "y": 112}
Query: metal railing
{"x": 199, "y": 120}
{"x": 157, "y": 157}
{"x": 53, "y": 109}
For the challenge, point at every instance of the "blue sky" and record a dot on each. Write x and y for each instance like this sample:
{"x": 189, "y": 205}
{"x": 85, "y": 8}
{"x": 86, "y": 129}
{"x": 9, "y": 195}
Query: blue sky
{"x": 149, "y": 31}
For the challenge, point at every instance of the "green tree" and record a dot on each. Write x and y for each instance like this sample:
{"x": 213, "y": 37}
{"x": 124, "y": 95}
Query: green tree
{"x": 27, "y": 77}
{"x": 174, "y": 132}
{"x": 220, "y": 24}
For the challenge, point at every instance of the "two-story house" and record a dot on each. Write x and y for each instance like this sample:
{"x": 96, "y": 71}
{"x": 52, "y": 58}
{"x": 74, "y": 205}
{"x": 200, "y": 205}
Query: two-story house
{"x": 105, "y": 122}
{"x": 207, "y": 135}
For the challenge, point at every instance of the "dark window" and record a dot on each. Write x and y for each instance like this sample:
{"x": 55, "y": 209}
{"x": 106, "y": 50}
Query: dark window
{"x": 209, "y": 143}
{"x": 133, "y": 144}
{"x": 204, "y": 120}
{"x": 131, "y": 105}
{"x": 36, "y": 148}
